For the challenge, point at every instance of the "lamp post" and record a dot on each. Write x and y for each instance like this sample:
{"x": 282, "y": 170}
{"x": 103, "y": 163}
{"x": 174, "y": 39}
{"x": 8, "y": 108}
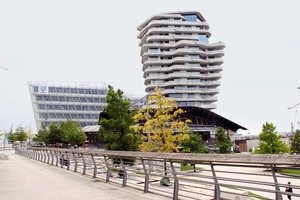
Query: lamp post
{"x": 296, "y": 104}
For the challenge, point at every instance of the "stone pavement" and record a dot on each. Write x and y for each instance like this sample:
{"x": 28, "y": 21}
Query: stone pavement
{"x": 25, "y": 179}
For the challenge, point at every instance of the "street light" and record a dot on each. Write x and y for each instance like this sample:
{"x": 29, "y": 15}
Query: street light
{"x": 294, "y": 106}
{"x": 3, "y": 68}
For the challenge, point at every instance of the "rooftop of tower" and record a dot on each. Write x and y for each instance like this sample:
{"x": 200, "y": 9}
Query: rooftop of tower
{"x": 140, "y": 27}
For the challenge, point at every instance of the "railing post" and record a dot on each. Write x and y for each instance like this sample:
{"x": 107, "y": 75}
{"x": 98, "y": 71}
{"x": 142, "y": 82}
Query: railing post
{"x": 48, "y": 157}
{"x": 68, "y": 160}
{"x": 95, "y": 166}
{"x": 56, "y": 156}
{"x": 146, "y": 185}
{"x": 38, "y": 155}
{"x": 75, "y": 159}
{"x": 176, "y": 182}
{"x": 51, "y": 157}
{"x": 124, "y": 173}
{"x": 44, "y": 155}
{"x": 217, "y": 195}
{"x": 108, "y": 169}
{"x": 84, "y": 164}
{"x": 61, "y": 159}
{"x": 278, "y": 194}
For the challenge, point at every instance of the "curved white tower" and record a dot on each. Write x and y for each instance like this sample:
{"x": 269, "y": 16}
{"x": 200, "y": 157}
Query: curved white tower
{"x": 178, "y": 58}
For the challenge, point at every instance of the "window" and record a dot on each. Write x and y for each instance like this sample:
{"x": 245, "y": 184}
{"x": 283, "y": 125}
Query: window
{"x": 56, "y": 107}
{"x": 80, "y": 91}
{"x": 80, "y": 116}
{"x": 93, "y": 91}
{"x": 92, "y": 108}
{"x": 75, "y": 99}
{"x": 103, "y": 100}
{"x": 52, "y": 116}
{"x": 51, "y": 90}
{"x": 67, "y": 116}
{"x": 39, "y": 98}
{"x": 73, "y": 90}
{"x": 61, "y": 98}
{"x": 190, "y": 18}
{"x": 35, "y": 88}
{"x": 54, "y": 98}
{"x": 87, "y": 116}
{"x": 203, "y": 39}
{"x": 49, "y": 107}
{"x": 64, "y": 107}
{"x": 41, "y": 107}
{"x": 179, "y": 87}
{"x": 82, "y": 99}
{"x": 66, "y": 90}
{"x": 69, "y": 99}
{"x": 59, "y": 90}
{"x": 74, "y": 116}
{"x": 176, "y": 95}
{"x": 90, "y": 100}
{"x": 47, "y": 98}
{"x": 43, "y": 116}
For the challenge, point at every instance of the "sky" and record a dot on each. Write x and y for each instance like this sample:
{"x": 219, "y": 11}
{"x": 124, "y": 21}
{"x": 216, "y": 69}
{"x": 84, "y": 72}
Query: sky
{"x": 96, "y": 41}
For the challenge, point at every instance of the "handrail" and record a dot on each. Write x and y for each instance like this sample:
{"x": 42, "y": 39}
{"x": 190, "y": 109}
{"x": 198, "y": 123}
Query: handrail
{"x": 146, "y": 170}
{"x": 264, "y": 159}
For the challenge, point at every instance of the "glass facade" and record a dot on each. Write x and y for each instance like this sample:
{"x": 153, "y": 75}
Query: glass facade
{"x": 59, "y": 101}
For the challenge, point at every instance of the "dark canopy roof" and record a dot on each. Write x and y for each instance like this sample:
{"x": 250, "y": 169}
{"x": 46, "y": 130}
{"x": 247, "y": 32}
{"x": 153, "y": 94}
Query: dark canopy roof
{"x": 200, "y": 117}
{"x": 216, "y": 119}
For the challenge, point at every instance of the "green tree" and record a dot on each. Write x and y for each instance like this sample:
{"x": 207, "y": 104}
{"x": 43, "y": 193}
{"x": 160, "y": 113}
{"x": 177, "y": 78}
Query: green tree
{"x": 72, "y": 132}
{"x": 193, "y": 144}
{"x": 21, "y": 134}
{"x": 162, "y": 130}
{"x": 30, "y": 134}
{"x": 11, "y": 137}
{"x": 115, "y": 129}
{"x": 223, "y": 140}
{"x": 270, "y": 141}
{"x": 54, "y": 133}
{"x": 295, "y": 143}
{"x": 42, "y": 135}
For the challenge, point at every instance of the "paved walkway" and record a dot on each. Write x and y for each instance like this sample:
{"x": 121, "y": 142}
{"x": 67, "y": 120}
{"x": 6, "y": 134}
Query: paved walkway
{"x": 25, "y": 179}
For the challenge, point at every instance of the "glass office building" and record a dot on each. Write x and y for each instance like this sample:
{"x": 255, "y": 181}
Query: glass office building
{"x": 59, "y": 101}
{"x": 178, "y": 58}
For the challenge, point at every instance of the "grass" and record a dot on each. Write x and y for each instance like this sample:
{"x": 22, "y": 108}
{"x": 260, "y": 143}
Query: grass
{"x": 187, "y": 167}
{"x": 251, "y": 194}
{"x": 289, "y": 171}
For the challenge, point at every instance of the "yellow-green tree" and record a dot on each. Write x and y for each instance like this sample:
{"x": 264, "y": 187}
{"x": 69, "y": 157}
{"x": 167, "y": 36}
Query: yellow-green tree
{"x": 160, "y": 125}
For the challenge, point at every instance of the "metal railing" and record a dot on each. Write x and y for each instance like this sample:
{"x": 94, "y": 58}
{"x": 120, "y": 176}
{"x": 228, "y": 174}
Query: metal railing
{"x": 215, "y": 176}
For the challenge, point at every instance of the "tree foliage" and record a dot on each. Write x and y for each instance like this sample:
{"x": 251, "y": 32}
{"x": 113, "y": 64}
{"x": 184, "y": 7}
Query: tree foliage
{"x": 161, "y": 127}
{"x": 69, "y": 132}
{"x": 295, "y": 143}
{"x": 223, "y": 141}
{"x": 115, "y": 130}
{"x": 42, "y": 135}
{"x": 270, "y": 141}
{"x": 193, "y": 144}
{"x": 21, "y": 134}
